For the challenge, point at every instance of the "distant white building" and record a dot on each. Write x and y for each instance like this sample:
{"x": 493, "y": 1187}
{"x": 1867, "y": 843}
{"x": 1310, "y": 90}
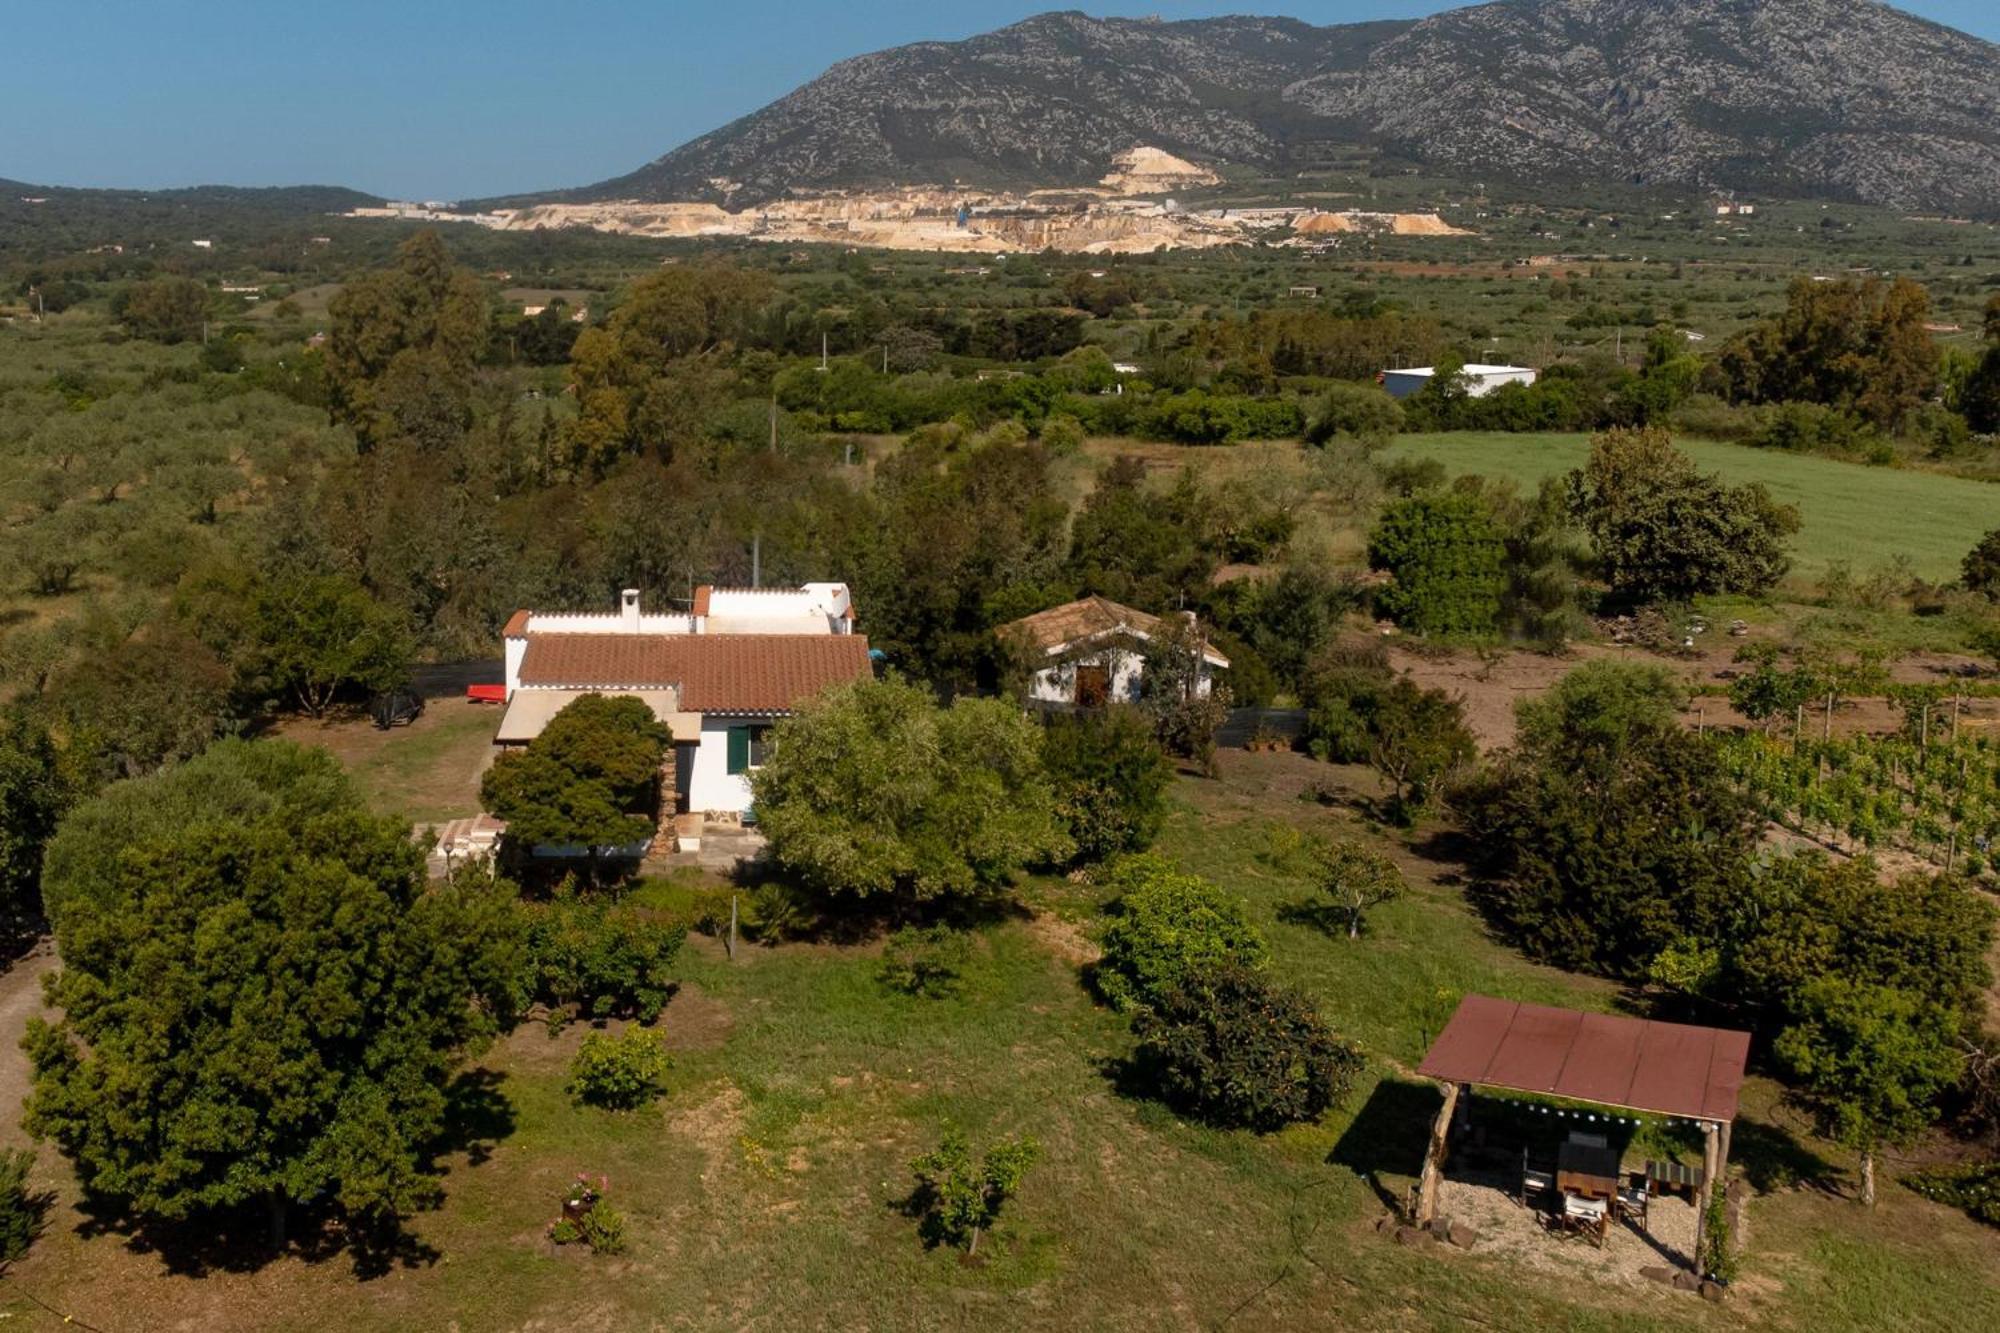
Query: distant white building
{"x": 1479, "y": 380}
{"x": 717, "y": 675}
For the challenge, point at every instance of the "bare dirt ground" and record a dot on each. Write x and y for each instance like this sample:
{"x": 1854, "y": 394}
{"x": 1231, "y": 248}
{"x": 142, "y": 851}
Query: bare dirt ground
{"x": 1516, "y": 1234}
{"x": 1491, "y": 686}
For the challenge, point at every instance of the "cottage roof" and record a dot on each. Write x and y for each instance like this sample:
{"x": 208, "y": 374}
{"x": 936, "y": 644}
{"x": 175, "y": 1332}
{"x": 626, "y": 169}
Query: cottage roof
{"x": 715, "y": 673}
{"x": 1064, "y": 627}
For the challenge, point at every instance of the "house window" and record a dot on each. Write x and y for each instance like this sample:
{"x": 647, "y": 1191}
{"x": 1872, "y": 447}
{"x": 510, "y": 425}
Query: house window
{"x": 748, "y": 747}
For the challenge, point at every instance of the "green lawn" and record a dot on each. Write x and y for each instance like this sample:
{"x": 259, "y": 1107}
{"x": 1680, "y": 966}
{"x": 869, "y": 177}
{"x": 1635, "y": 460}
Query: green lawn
{"x": 765, "y": 1192}
{"x": 426, "y": 772}
{"x": 1866, "y": 516}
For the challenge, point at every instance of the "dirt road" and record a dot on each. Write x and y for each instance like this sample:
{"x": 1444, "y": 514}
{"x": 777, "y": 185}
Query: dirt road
{"x": 20, "y": 1000}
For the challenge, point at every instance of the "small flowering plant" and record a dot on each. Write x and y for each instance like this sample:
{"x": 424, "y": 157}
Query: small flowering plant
{"x": 588, "y": 1219}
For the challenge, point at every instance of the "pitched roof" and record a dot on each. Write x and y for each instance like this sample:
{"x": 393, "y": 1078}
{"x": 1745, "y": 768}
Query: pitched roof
{"x": 1640, "y": 1065}
{"x": 1061, "y": 627}
{"x": 715, "y": 673}
{"x": 516, "y": 626}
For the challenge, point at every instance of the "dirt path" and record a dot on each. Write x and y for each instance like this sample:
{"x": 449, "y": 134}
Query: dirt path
{"x": 20, "y": 1000}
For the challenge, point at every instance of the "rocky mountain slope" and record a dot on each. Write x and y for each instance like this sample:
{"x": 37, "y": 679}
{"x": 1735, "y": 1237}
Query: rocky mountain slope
{"x": 1841, "y": 98}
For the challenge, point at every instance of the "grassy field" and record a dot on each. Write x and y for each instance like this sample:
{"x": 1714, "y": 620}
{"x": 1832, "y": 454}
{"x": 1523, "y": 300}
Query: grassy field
{"x": 1866, "y": 516}
{"x": 425, "y": 772}
{"x": 767, "y": 1191}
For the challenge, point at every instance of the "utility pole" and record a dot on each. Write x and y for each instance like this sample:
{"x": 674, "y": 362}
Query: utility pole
{"x": 774, "y": 423}
{"x": 822, "y": 353}
{"x": 757, "y": 561}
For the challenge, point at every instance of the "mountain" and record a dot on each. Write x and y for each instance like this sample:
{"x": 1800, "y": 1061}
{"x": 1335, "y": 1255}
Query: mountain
{"x": 1832, "y": 98}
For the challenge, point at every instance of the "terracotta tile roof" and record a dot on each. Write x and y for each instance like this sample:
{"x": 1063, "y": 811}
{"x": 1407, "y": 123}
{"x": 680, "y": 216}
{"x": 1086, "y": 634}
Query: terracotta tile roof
{"x": 1094, "y": 617}
{"x": 517, "y": 625}
{"x": 715, "y": 673}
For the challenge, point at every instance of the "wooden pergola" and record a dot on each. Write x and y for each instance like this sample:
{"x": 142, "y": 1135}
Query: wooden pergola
{"x": 1631, "y": 1064}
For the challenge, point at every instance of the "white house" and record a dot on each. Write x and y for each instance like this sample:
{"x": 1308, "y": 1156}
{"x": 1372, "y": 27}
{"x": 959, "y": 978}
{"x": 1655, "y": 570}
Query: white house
{"x": 1479, "y": 380}
{"x": 1092, "y": 652}
{"x": 718, "y": 675}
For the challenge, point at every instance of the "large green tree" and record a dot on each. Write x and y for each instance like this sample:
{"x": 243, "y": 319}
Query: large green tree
{"x": 1665, "y": 531}
{"x": 873, "y": 790}
{"x": 266, "y": 1008}
{"x": 591, "y": 779}
{"x": 402, "y": 346}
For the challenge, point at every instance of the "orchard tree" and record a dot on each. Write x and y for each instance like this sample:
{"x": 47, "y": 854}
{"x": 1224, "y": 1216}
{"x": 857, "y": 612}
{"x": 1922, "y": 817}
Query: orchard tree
{"x": 1663, "y": 531}
{"x": 1110, "y": 780}
{"x": 263, "y": 1009}
{"x": 1354, "y": 877}
{"x": 874, "y": 791}
{"x": 1165, "y": 926}
{"x": 591, "y": 779}
{"x": 960, "y": 1198}
{"x": 1444, "y": 553}
{"x": 1870, "y": 1064}
{"x": 1239, "y": 1052}
{"x": 1417, "y": 741}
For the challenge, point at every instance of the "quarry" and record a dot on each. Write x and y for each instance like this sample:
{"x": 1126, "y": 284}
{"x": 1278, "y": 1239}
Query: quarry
{"x": 1131, "y": 210}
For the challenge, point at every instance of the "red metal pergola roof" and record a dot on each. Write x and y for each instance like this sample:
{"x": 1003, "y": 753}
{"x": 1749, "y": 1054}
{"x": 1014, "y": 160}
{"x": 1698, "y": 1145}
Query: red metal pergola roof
{"x": 1634, "y": 1063}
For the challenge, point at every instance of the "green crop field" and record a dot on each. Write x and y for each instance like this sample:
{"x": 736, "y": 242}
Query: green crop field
{"x": 1866, "y": 516}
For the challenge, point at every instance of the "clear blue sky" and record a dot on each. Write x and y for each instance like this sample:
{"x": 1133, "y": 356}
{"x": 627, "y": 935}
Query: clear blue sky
{"x": 459, "y": 98}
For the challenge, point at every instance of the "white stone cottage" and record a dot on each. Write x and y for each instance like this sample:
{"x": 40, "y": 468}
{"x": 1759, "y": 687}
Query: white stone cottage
{"x": 1092, "y": 652}
{"x": 719, "y": 675}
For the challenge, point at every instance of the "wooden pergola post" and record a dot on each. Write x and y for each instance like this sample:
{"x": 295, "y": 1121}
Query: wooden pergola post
{"x": 1427, "y": 1182}
{"x": 1714, "y": 1162}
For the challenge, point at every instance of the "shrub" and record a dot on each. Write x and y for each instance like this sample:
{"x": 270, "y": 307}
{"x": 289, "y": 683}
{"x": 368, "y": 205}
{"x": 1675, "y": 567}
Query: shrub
{"x": 588, "y": 1219}
{"x": 1228, "y": 1046}
{"x": 1444, "y": 551}
{"x": 592, "y": 960}
{"x": 620, "y": 1073}
{"x": 1980, "y": 570}
{"x": 960, "y": 1200}
{"x": 1110, "y": 779}
{"x": 925, "y": 961}
{"x": 1359, "y": 412}
{"x": 1169, "y": 924}
{"x": 1974, "y": 1187}
{"x": 20, "y": 1212}
{"x": 1062, "y": 436}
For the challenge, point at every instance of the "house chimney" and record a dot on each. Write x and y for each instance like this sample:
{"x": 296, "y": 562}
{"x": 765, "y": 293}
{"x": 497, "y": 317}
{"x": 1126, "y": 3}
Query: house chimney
{"x": 628, "y": 610}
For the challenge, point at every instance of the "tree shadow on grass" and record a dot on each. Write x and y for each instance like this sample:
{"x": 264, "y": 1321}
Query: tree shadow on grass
{"x": 1388, "y": 1136}
{"x": 1326, "y": 918}
{"x": 477, "y": 1115}
{"x": 1773, "y": 1159}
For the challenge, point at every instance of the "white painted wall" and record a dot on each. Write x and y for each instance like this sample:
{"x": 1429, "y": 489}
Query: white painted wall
{"x": 1479, "y": 380}
{"x": 711, "y": 786}
{"x": 1057, "y": 684}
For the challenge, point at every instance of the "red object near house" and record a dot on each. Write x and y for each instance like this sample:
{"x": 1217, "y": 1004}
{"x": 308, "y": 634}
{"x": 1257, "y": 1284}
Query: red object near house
{"x": 486, "y": 694}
